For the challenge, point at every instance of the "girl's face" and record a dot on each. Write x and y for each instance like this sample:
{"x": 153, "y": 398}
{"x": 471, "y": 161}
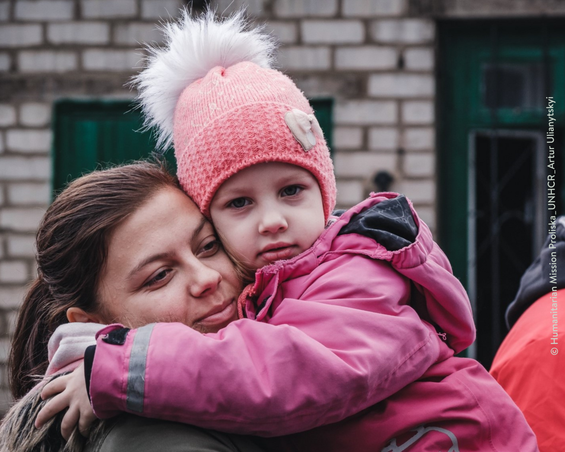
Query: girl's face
{"x": 165, "y": 264}
{"x": 267, "y": 212}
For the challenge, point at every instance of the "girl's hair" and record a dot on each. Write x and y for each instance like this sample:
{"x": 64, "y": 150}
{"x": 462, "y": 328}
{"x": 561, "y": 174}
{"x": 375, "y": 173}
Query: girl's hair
{"x": 72, "y": 245}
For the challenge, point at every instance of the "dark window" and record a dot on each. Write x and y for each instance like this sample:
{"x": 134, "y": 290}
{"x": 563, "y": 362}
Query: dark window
{"x": 513, "y": 85}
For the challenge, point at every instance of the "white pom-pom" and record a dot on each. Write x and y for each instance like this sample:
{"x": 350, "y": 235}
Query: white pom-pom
{"x": 193, "y": 47}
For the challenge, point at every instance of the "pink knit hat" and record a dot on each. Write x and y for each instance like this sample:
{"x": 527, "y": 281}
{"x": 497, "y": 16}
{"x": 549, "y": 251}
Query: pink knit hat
{"x": 212, "y": 93}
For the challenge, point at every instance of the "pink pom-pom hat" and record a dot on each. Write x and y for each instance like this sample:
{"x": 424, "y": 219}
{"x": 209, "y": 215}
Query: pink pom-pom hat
{"x": 211, "y": 92}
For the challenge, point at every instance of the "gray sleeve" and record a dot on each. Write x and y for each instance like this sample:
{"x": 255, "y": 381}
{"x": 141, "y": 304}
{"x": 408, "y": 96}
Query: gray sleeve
{"x": 138, "y": 434}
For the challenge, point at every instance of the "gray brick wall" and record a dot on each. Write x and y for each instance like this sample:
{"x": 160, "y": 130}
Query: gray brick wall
{"x": 375, "y": 58}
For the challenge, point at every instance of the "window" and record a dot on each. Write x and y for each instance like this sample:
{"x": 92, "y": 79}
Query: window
{"x": 513, "y": 85}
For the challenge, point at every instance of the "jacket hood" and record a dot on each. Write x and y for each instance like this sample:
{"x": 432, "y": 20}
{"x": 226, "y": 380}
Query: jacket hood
{"x": 67, "y": 344}
{"x": 386, "y": 227}
{"x": 542, "y": 276}
{"x": 439, "y": 297}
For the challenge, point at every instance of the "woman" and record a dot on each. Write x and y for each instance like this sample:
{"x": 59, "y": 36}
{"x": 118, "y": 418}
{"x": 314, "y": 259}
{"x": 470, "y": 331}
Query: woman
{"x": 88, "y": 236}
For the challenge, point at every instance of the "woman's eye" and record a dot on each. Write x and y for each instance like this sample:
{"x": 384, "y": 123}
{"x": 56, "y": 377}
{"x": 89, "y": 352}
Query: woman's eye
{"x": 291, "y": 190}
{"x": 210, "y": 248}
{"x": 159, "y": 277}
{"x": 238, "y": 203}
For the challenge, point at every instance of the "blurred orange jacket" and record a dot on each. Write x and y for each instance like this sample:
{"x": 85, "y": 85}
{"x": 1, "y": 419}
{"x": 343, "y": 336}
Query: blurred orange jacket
{"x": 530, "y": 365}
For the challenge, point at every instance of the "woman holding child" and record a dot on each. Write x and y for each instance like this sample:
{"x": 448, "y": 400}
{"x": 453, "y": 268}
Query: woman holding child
{"x": 92, "y": 226}
{"x": 347, "y": 331}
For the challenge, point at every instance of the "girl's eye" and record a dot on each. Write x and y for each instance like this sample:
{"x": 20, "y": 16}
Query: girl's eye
{"x": 291, "y": 190}
{"x": 210, "y": 248}
{"x": 158, "y": 278}
{"x": 238, "y": 203}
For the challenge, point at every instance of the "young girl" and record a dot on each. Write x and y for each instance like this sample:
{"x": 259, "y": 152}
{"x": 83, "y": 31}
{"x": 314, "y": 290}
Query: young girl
{"x": 355, "y": 324}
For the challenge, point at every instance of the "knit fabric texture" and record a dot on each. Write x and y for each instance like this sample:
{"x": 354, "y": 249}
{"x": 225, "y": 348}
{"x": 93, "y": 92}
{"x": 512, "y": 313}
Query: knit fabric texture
{"x": 234, "y": 118}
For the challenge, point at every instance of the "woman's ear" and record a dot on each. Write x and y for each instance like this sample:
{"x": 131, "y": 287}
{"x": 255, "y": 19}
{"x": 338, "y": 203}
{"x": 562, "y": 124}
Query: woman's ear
{"x": 75, "y": 314}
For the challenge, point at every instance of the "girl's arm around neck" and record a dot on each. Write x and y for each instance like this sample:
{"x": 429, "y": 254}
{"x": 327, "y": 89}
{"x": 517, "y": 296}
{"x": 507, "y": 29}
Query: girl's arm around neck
{"x": 318, "y": 361}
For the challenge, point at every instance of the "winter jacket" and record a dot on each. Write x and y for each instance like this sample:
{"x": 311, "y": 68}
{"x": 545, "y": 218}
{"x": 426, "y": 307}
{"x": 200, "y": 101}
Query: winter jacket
{"x": 530, "y": 361}
{"x": 370, "y": 313}
{"x": 124, "y": 433}
{"x": 132, "y": 433}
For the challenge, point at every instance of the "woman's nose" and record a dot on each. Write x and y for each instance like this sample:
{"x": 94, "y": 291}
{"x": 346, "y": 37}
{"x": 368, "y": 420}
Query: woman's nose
{"x": 204, "y": 281}
{"x": 272, "y": 221}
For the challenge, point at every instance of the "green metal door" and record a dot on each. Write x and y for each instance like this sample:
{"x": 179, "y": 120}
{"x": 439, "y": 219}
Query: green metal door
{"x": 493, "y": 81}
{"x": 93, "y": 134}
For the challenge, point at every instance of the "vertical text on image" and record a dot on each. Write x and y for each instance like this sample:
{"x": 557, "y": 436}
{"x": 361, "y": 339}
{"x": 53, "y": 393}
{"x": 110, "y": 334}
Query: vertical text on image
{"x": 551, "y": 206}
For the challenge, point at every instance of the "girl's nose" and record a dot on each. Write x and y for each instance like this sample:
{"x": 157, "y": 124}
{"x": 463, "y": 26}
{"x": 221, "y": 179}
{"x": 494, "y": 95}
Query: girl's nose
{"x": 272, "y": 222}
{"x": 204, "y": 281}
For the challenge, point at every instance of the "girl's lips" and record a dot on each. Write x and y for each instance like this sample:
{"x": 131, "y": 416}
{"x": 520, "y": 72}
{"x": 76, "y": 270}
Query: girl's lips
{"x": 220, "y": 318}
{"x": 277, "y": 254}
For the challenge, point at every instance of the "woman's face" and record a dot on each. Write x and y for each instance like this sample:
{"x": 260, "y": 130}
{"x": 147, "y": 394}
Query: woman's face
{"x": 165, "y": 264}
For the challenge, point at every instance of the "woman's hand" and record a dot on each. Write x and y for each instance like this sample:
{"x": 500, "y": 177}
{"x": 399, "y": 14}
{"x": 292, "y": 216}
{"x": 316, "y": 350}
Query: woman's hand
{"x": 68, "y": 391}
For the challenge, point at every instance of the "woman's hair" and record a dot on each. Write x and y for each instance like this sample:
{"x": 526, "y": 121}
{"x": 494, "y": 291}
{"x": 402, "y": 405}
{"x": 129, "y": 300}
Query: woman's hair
{"x": 72, "y": 245}
{"x": 245, "y": 273}
{"x": 18, "y": 432}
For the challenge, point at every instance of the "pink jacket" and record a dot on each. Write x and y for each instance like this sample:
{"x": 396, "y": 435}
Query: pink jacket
{"x": 330, "y": 334}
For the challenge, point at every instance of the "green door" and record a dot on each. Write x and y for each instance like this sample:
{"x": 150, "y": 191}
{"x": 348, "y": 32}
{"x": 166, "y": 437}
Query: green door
{"x": 494, "y": 83}
{"x": 94, "y": 134}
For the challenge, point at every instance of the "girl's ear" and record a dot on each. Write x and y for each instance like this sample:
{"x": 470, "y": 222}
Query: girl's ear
{"x": 75, "y": 314}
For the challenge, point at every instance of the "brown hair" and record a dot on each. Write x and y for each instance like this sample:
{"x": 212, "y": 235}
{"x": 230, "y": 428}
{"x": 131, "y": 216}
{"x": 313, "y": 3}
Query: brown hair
{"x": 72, "y": 243}
{"x": 18, "y": 432}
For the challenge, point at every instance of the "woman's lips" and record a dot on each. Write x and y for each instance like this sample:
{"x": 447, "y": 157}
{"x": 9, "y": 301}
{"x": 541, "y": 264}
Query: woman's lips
{"x": 220, "y": 317}
{"x": 275, "y": 254}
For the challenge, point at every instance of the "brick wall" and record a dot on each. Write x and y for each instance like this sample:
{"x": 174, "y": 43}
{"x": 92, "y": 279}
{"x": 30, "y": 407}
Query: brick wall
{"x": 376, "y": 58}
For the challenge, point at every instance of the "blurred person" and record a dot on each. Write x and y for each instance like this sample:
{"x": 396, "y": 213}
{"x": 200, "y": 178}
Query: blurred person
{"x": 530, "y": 362}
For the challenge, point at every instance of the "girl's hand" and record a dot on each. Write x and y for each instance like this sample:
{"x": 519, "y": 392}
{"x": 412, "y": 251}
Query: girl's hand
{"x": 67, "y": 391}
